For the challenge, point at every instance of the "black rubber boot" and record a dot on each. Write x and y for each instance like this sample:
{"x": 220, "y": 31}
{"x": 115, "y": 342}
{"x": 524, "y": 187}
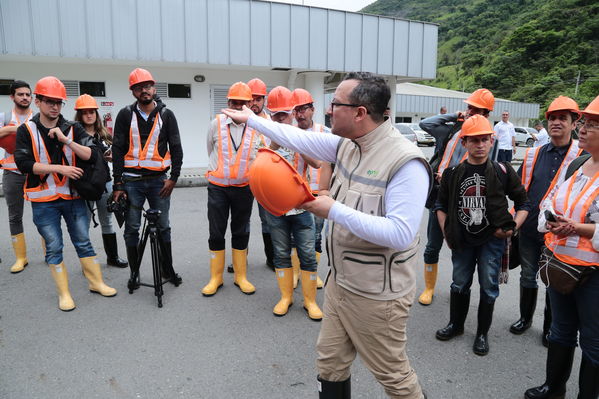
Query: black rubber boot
{"x": 334, "y": 389}
{"x": 546, "y": 320}
{"x": 166, "y": 267}
{"x": 458, "y": 310}
{"x": 588, "y": 380}
{"x": 528, "y": 303}
{"x": 112, "y": 252}
{"x": 133, "y": 257}
{"x": 485, "y": 317}
{"x": 268, "y": 250}
{"x": 559, "y": 366}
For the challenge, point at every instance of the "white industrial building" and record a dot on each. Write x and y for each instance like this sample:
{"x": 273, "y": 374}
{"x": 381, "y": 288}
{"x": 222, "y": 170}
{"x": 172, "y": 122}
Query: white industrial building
{"x": 196, "y": 49}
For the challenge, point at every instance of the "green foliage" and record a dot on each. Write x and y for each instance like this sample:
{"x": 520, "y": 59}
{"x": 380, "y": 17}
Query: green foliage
{"x": 522, "y": 50}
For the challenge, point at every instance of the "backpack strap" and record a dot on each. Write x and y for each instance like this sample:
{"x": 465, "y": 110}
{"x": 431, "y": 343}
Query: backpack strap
{"x": 576, "y": 164}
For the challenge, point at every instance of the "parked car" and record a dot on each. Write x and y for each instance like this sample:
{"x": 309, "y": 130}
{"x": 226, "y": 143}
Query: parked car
{"x": 422, "y": 137}
{"x": 407, "y": 132}
{"x": 523, "y": 137}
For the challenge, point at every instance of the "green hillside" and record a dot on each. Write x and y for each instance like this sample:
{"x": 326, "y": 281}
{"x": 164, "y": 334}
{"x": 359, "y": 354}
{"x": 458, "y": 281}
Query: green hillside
{"x": 522, "y": 50}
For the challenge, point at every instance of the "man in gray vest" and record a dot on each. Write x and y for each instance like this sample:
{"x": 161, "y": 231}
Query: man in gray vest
{"x": 378, "y": 191}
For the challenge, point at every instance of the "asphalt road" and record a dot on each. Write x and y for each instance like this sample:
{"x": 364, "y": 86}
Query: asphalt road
{"x": 229, "y": 345}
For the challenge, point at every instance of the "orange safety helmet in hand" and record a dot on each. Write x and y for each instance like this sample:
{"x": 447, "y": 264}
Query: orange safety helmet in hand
{"x": 563, "y": 103}
{"x": 257, "y": 87}
{"x": 301, "y": 97}
{"x": 239, "y": 91}
{"x": 140, "y": 75}
{"x": 592, "y": 110}
{"x": 481, "y": 98}
{"x": 280, "y": 100}
{"x": 476, "y": 125}
{"x": 50, "y": 87}
{"x": 276, "y": 185}
{"x": 85, "y": 101}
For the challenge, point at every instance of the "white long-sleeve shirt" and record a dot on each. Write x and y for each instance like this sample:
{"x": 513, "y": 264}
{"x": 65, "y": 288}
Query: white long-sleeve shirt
{"x": 404, "y": 198}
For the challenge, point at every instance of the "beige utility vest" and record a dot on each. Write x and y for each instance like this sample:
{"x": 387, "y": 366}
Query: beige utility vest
{"x": 363, "y": 170}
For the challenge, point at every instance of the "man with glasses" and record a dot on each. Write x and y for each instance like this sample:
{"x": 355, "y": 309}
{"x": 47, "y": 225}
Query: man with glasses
{"x": 146, "y": 145}
{"x": 445, "y": 128}
{"x": 505, "y": 134}
{"x": 543, "y": 168}
{"x": 13, "y": 180}
{"x": 48, "y": 151}
{"x": 378, "y": 192}
{"x": 231, "y": 148}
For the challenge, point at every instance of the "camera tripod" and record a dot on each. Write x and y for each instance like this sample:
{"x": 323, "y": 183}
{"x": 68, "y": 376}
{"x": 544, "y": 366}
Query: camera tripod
{"x": 150, "y": 230}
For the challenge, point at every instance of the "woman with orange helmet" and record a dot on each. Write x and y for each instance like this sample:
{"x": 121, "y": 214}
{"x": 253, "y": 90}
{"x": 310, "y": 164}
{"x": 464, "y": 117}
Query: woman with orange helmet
{"x": 87, "y": 114}
{"x": 569, "y": 217}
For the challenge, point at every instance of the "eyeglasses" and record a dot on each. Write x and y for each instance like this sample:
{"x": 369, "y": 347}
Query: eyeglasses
{"x": 303, "y": 108}
{"x": 139, "y": 88}
{"x": 53, "y": 103}
{"x": 335, "y": 104}
{"x": 591, "y": 125}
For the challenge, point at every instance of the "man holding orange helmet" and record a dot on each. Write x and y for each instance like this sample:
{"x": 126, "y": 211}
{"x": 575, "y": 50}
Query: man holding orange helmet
{"x": 231, "y": 148}
{"x": 13, "y": 180}
{"x": 48, "y": 151}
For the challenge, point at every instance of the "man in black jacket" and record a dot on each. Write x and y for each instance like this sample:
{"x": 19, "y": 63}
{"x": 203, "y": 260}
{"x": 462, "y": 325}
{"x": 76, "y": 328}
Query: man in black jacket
{"x": 146, "y": 145}
{"x": 472, "y": 210}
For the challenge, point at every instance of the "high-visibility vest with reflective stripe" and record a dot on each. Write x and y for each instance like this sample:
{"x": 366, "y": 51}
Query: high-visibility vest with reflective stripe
{"x": 530, "y": 159}
{"x": 233, "y": 165}
{"x": 450, "y": 148}
{"x": 8, "y": 162}
{"x": 147, "y": 157}
{"x": 315, "y": 173}
{"x": 301, "y": 166}
{"x": 575, "y": 250}
{"x": 54, "y": 187}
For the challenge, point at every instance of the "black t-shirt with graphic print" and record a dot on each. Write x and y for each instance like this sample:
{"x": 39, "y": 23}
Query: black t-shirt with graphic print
{"x": 472, "y": 205}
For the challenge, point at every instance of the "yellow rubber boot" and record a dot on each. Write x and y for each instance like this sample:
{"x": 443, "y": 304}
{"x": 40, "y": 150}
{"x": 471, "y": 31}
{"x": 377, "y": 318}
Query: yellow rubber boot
{"x": 217, "y": 267}
{"x": 295, "y": 265}
{"x": 240, "y": 263}
{"x": 285, "y": 280}
{"x": 20, "y": 247}
{"x": 319, "y": 282}
{"x": 93, "y": 274}
{"x": 309, "y": 291}
{"x": 430, "y": 279}
{"x": 61, "y": 278}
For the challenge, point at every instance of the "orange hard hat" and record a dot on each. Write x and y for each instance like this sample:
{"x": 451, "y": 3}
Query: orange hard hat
{"x": 140, "y": 75}
{"x": 239, "y": 91}
{"x": 9, "y": 142}
{"x": 563, "y": 103}
{"x": 280, "y": 100}
{"x": 258, "y": 87}
{"x": 276, "y": 184}
{"x": 476, "y": 125}
{"x": 85, "y": 101}
{"x": 301, "y": 97}
{"x": 592, "y": 110}
{"x": 50, "y": 87}
{"x": 481, "y": 98}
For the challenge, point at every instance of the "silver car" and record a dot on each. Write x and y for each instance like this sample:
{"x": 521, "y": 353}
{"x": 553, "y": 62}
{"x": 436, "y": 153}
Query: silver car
{"x": 407, "y": 132}
{"x": 422, "y": 137}
{"x": 523, "y": 137}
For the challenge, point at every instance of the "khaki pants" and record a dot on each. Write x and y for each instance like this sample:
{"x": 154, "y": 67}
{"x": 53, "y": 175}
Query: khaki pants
{"x": 374, "y": 329}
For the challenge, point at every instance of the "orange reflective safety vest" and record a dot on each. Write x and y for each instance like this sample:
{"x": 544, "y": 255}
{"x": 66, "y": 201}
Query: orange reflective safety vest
{"x": 530, "y": 159}
{"x": 315, "y": 173}
{"x": 448, "y": 153}
{"x": 575, "y": 250}
{"x": 233, "y": 164}
{"x": 147, "y": 157}
{"x": 301, "y": 166}
{"x": 8, "y": 162}
{"x": 55, "y": 187}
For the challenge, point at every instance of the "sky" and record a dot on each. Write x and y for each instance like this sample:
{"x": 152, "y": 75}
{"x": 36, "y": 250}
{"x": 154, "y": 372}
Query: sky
{"x": 347, "y": 5}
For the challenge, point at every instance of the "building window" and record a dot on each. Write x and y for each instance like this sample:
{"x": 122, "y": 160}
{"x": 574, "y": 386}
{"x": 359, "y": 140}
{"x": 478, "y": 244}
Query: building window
{"x": 179, "y": 90}
{"x": 5, "y": 86}
{"x": 218, "y": 99}
{"x": 94, "y": 89}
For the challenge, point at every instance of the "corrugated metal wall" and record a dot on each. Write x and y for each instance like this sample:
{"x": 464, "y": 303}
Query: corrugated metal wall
{"x": 221, "y": 32}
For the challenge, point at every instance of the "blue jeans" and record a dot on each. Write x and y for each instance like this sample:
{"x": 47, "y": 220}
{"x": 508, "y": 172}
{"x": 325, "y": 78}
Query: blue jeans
{"x": 530, "y": 252}
{"x": 263, "y": 219}
{"x": 46, "y": 216}
{"x": 577, "y": 312}
{"x": 488, "y": 258}
{"x": 302, "y": 228}
{"x": 138, "y": 191}
{"x": 318, "y": 225}
{"x": 434, "y": 239}
{"x": 104, "y": 217}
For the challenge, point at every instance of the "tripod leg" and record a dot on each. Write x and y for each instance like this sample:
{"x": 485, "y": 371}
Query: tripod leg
{"x": 156, "y": 260}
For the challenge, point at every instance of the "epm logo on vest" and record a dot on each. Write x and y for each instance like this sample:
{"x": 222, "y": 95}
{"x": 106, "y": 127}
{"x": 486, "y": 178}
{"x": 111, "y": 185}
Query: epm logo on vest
{"x": 372, "y": 173}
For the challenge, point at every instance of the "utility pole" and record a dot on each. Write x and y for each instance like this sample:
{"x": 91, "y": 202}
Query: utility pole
{"x": 577, "y": 82}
